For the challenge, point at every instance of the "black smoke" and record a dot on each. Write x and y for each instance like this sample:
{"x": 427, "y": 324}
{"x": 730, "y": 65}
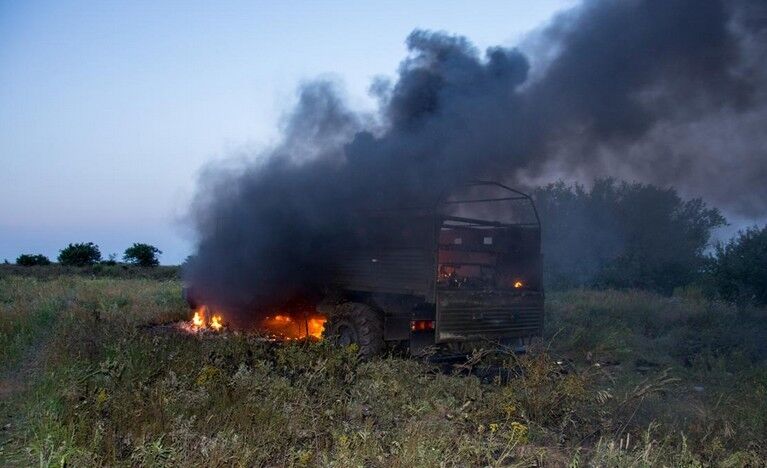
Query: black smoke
{"x": 615, "y": 87}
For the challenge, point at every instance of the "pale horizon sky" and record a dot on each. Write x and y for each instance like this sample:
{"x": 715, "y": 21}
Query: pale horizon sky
{"x": 108, "y": 110}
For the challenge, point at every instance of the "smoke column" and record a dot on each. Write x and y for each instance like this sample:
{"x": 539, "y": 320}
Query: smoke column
{"x": 670, "y": 92}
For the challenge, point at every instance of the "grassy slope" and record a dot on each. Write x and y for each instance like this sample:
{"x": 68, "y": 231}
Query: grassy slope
{"x": 678, "y": 380}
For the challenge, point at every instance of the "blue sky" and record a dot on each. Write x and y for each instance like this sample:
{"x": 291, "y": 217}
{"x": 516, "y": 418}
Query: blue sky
{"x": 108, "y": 110}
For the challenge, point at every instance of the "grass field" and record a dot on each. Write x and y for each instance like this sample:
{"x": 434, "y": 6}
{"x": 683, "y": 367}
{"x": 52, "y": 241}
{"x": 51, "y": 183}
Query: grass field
{"x": 622, "y": 379}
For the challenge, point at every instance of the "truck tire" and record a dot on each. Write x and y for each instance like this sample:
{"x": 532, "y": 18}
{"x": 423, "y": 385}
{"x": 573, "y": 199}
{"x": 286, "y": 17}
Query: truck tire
{"x": 354, "y": 322}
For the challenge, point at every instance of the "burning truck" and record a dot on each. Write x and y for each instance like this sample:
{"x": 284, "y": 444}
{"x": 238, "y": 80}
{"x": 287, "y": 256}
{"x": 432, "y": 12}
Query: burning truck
{"x": 463, "y": 271}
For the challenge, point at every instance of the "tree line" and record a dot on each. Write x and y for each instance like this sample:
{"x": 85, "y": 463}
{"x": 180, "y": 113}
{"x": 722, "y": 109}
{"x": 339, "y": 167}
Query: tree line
{"x": 88, "y": 253}
{"x": 617, "y": 234}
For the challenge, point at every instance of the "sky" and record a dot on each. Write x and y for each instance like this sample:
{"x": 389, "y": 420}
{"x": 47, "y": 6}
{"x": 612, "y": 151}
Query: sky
{"x": 109, "y": 110}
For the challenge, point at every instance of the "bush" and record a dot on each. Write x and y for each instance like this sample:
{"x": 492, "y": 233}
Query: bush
{"x": 32, "y": 260}
{"x": 625, "y": 235}
{"x": 111, "y": 260}
{"x": 739, "y": 268}
{"x": 142, "y": 255}
{"x": 80, "y": 254}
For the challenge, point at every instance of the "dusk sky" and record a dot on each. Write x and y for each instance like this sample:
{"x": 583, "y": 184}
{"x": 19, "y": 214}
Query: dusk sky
{"x": 108, "y": 110}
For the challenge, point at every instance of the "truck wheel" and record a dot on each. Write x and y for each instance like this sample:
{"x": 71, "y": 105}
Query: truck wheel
{"x": 353, "y": 322}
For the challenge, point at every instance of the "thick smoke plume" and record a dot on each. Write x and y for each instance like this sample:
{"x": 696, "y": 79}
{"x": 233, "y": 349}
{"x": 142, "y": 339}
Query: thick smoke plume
{"x": 637, "y": 88}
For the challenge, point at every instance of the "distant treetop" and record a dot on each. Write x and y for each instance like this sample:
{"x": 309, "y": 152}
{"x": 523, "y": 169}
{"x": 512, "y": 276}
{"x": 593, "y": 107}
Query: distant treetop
{"x": 80, "y": 254}
{"x": 142, "y": 255}
{"x": 32, "y": 260}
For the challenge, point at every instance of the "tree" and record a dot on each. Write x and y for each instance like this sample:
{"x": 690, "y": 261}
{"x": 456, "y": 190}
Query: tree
{"x": 32, "y": 260}
{"x": 80, "y": 254}
{"x": 620, "y": 234}
{"x": 111, "y": 260}
{"x": 142, "y": 255}
{"x": 739, "y": 267}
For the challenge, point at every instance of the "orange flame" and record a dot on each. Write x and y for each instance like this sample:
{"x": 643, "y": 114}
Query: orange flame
{"x": 316, "y": 325}
{"x": 200, "y": 320}
{"x": 293, "y": 328}
{"x": 216, "y": 322}
{"x": 199, "y": 317}
{"x": 280, "y": 326}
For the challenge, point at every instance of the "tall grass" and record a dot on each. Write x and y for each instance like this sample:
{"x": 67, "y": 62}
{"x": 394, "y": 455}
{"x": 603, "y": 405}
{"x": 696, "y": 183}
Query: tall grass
{"x": 28, "y": 308}
{"x": 614, "y": 387}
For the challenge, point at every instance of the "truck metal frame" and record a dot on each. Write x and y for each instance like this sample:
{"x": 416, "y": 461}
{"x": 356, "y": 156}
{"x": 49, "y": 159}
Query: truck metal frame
{"x": 460, "y": 271}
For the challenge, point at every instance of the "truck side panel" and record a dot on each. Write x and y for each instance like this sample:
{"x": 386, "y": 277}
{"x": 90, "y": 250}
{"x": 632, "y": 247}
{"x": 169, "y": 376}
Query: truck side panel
{"x": 396, "y": 270}
{"x": 475, "y": 315}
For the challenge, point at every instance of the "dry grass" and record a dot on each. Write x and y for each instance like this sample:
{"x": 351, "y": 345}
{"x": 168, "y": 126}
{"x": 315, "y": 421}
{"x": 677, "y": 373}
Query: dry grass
{"x": 619, "y": 385}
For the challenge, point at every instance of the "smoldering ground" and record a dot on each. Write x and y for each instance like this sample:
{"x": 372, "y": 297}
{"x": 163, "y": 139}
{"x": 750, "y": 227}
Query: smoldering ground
{"x": 633, "y": 88}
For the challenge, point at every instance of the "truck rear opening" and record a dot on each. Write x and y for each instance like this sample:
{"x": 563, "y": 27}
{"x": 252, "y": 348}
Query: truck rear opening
{"x": 489, "y": 283}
